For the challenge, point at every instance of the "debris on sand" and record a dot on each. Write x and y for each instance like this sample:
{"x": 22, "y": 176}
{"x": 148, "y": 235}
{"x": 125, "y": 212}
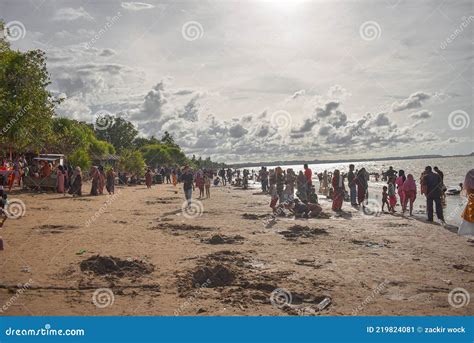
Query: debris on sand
{"x": 221, "y": 239}
{"x": 253, "y": 216}
{"x": 114, "y": 266}
{"x": 49, "y": 228}
{"x": 367, "y": 243}
{"x": 181, "y": 227}
{"x": 298, "y": 231}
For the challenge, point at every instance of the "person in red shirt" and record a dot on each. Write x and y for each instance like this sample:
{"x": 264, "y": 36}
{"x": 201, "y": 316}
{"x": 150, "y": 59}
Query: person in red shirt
{"x": 309, "y": 175}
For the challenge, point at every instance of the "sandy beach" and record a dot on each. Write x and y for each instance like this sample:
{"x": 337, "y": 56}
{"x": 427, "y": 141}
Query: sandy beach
{"x": 54, "y": 259}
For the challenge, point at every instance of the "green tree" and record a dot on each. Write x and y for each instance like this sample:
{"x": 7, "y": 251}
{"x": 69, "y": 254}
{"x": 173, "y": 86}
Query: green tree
{"x": 168, "y": 140}
{"x": 132, "y": 161}
{"x": 118, "y": 131}
{"x": 80, "y": 158}
{"x": 156, "y": 154}
{"x": 26, "y": 106}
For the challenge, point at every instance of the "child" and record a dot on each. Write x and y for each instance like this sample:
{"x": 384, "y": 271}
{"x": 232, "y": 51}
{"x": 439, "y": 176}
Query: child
{"x": 207, "y": 184}
{"x": 385, "y": 198}
{"x": 392, "y": 197}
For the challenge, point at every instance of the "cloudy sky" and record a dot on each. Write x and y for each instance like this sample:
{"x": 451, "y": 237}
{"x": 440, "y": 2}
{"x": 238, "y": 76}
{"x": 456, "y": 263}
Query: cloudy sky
{"x": 264, "y": 80}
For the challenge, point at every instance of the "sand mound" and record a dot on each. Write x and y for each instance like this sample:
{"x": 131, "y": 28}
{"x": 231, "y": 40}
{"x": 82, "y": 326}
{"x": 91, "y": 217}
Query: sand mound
{"x": 109, "y": 265}
{"x": 182, "y": 227}
{"x": 217, "y": 276}
{"x": 298, "y": 231}
{"x": 221, "y": 239}
{"x": 49, "y": 228}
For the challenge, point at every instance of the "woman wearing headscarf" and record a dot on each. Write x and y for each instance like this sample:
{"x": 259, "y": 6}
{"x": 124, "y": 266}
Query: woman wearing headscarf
{"x": 409, "y": 193}
{"x": 76, "y": 186}
{"x": 280, "y": 182}
{"x": 302, "y": 187}
{"x": 101, "y": 179}
{"x": 467, "y": 225}
{"x": 110, "y": 184}
{"x": 94, "y": 174}
{"x": 399, "y": 182}
{"x": 148, "y": 178}
{"x": 60, "y": 179}
{"x": 361, "y": 182}
{"x": 338, "y": 193}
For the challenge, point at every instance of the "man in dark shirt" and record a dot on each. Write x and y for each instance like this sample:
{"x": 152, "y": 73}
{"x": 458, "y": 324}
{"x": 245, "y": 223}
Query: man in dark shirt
{"x": 187, "y": 179}
{"x": 352, "y": 185}
{"x": 390, "y": 173}
{"x": 434, "y": 184}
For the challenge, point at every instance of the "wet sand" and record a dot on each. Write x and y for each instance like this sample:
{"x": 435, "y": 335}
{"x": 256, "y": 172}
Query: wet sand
{"x": 137, "y": 254}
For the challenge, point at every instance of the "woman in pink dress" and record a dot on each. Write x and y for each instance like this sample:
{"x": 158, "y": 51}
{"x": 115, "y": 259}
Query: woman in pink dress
{"x": 60, "y": 179}
{"x": 409, "y": 192}
{"x": 399, "y": 183}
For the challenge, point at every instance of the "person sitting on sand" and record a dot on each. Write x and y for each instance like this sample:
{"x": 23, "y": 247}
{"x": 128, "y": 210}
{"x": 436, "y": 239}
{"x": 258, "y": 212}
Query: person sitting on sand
{"x": 385, "y": 198}
{"x": 392, "y": 197}
{"x": 409, "y": 193}
{"x": 76, "y": 186}
{"x": 338, "y": 194}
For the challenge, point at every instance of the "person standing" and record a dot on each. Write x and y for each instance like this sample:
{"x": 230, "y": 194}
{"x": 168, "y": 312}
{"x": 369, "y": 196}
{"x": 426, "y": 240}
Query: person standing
{"x": 467, "y": 225}
{"x": 409, "y": 193}
{"x": 94, "y": 174}
{"x": 187, "y": 178}
{"x": 352, "y": 185}
{"x": 110, "y": 184}
{"x": 148, "y": 178}
{"x": 101, "y": 179}
{"x": 399, "y": 181}
{"x": 433, "y": 184}
{"x": 309, "y": 175}
{"x": 60, "y": 177}
{"x": 361, "y": 182}
{"x": 302, "y": 187}
{"x": 338, "y": 194}
{"x": 76, "y": 185}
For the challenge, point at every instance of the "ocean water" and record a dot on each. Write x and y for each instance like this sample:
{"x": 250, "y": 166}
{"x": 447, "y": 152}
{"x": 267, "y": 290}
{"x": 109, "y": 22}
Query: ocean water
{"x": 454, "y": 169}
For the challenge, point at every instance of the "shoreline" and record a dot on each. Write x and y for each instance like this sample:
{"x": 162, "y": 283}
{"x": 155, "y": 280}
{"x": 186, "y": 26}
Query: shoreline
{"x": 401, "y": 265}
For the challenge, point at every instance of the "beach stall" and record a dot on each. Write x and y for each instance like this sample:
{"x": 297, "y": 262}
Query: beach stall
{"x": 44, "y": 182}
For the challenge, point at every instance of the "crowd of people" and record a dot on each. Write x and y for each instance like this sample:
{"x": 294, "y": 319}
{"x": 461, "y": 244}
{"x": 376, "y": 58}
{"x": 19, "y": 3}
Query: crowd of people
{"x": 294, "y": 192}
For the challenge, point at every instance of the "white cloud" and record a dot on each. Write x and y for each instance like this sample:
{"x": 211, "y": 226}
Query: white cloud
{"x": 413, "y": 101}
{"x": 136, "y": 6}
{"x": 70, "y": 14}
{"x": 423, "y": 114}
